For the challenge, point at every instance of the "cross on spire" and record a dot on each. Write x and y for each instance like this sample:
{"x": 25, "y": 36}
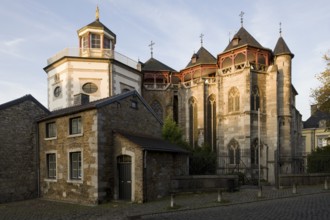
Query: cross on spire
{"x": 151, "y": 48}
{"x": 280, "y": 29}
{"x": 241, "y": 15}
{"x": 201, "y": 36}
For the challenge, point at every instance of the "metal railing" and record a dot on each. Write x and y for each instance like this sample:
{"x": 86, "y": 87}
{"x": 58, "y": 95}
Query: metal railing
{"x": 95, "y": 53}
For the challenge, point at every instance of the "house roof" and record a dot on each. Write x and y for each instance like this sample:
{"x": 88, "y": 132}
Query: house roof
{"x": 155, "y": 65}
{"x": 152, "y": 144}
{"x": 21, "y": 100}
{"x": 244, "y": 38}
{"x": 282, "y": 48}
{"x": 98, "y": 104}
{"x": 203, "y": 56}
{"x": 313, "y": 120}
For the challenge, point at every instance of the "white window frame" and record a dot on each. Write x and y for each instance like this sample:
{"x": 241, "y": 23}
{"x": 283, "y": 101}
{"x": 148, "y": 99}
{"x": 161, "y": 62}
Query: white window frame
{"x": 46, "y": 131}
{"x": 70, "y": 127}
{"x": 81, "y": 179}
{"x": 56, "y": 175}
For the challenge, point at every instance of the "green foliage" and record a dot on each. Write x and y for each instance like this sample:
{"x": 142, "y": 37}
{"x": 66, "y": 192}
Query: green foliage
{"x": 171, "y": 131}
{"x": 321, "y": 94}
{"x": 319, "y": 160}
{"x": 202, "y": 160}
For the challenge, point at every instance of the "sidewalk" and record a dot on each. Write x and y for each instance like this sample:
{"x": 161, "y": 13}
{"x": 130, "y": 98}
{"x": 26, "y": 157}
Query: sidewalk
{"x": 41, "y": 209}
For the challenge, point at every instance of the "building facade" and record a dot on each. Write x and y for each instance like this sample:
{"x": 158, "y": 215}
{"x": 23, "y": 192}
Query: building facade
{"x": 239, "y": 103}
{"x": 106, "y": 149}
{"x": 19, "y": 149}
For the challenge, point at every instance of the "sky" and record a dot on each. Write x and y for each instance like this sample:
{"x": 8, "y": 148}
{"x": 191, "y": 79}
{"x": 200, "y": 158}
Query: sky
{"x": 33, "y": 31}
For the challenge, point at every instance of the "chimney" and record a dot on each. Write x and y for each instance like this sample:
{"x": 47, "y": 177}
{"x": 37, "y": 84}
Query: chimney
{"x": 80, "y": 99}
{"x": 313, "y": 109}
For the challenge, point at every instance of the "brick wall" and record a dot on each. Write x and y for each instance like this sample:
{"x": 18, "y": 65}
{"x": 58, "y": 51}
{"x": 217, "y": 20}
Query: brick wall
{"x": 18, "y": 159}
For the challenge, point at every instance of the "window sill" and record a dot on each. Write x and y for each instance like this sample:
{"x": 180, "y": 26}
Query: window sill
{"x": 50, "y": 180}
{"x": 75, "y": 135}
{"x": 75, "y": 181}
{"x": 50, "y": 138}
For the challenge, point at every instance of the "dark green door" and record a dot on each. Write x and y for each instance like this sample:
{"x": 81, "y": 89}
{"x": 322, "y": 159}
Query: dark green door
{"x": 125, "y": 177}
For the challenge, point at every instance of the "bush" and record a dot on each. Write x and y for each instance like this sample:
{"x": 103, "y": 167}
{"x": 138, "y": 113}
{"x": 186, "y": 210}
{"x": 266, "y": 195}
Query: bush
{"x": 319, "y": 160}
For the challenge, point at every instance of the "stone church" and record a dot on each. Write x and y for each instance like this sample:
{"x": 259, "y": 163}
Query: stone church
{"x": 233, "y": 102}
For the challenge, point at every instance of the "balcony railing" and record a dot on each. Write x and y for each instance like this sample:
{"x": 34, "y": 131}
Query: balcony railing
{"x": 95, "y": 53}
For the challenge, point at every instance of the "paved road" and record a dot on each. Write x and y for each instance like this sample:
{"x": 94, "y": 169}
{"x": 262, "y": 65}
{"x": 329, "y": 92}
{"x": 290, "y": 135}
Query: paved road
{"x": 315, "y": 206}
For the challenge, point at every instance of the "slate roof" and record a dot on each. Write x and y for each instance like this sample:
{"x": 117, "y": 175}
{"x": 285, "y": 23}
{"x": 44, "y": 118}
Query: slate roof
{"x": 245, "y": 38}
{"x": 152, "y": 144}
{"x": 203, "y": 57}
{"x": 99, "y": 25}
{"x": 155, "y": 65}
{"x": 21, "y": 100}
{"x": 97, "y": 104}
{"x": 313, "y": 120}
{"x": 282, "y": 48}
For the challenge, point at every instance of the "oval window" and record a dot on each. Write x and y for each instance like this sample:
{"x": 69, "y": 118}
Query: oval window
{"x": 89, "y": 87}
{"x": 57, "y": 91}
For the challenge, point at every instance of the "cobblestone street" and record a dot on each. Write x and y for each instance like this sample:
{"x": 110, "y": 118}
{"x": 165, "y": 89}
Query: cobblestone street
{"x": 307, "y": 203}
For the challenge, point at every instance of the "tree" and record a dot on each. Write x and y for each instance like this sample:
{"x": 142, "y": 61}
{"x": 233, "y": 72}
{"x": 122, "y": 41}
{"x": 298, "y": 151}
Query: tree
{"x": 321, "y": 94}
{"x": 319, "y": 160}
{"x": 171, "y": 131}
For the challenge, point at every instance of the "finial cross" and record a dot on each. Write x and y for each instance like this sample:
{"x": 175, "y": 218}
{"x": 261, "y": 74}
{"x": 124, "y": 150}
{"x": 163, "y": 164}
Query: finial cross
{"x": 97, "y": 13}
{"x": 151, "y": 47}
{"x": 241, "y": 15}
{"x": 201, "y": 36}
{"x": 280, "y": 29}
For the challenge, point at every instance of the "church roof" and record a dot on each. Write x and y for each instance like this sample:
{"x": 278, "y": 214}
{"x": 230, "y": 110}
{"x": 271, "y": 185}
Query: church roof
{"x": 313, "y": 120}
{"x": 21, "y": 100}
{"x": 203, "y": 56}
{"x": 155, "y": 65}
{"x": 244, "y": 38}
{"x": 152, "y": 144}
{"x": 282, "y": 48}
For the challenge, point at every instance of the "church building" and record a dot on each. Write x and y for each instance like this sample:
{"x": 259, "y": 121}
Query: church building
{"x": 240, "y": 102}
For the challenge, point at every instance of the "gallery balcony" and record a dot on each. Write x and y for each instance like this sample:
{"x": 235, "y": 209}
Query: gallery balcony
{"x": 94, "y": 53}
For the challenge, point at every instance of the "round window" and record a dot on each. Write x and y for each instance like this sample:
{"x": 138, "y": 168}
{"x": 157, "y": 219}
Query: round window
{"x": 89, "y": 87}
{"x": 57, "y": 91}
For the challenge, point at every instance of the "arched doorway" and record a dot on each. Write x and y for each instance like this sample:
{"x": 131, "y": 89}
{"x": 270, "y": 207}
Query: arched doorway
{"x": 124, "y": 165}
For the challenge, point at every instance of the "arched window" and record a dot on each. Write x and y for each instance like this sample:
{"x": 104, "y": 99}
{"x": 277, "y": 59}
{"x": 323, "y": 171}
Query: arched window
{"x": 157, "y": 107}
{"x": 234, "y": 152}
{"x": 255, "y": 99}
{"x": 254, "y": 152}
{"x": 193, "y": 131}
{"x": 233, "y": 100}
{"x": 210, "y": 128}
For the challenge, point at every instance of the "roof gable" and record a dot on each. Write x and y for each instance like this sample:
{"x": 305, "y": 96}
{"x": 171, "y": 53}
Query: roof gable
{"x": 202, "y": 56}
{"x": 21, "y": 100}
{"x": 313, "y": 120}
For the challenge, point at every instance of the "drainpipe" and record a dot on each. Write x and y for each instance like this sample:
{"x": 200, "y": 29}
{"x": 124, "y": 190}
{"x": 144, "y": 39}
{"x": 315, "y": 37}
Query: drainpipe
{"x": 37, "y": 162}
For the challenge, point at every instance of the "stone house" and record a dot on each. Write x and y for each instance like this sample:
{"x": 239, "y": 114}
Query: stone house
{"x": 86, "y": 157}
{"x": 18, "y": 148}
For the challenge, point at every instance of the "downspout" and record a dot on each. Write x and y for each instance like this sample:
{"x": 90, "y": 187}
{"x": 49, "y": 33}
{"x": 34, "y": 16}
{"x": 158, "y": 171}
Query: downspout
{"x": 37, "y": 159}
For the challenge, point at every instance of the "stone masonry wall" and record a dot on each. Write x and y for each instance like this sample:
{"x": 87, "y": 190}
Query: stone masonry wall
{"x": 63, "y": 187}
{"x": 18, "y": 159}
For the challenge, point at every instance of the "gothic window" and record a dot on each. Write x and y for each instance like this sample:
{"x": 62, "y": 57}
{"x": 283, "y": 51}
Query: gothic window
{"x": 193, "y": 132}
{"x": 234, "y": 152}
{"x": 255, "y": 152}
{"x": 233, "y": 100}
{"x": 210, "y": 128}
{"x": 255, "y": 99}
{"x": 158, "y": 109}
{"x": 176, "y": 109}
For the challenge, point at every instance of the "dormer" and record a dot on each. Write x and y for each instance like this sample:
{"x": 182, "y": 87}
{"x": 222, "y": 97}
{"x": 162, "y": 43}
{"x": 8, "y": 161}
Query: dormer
{"x": 95, "y": 39}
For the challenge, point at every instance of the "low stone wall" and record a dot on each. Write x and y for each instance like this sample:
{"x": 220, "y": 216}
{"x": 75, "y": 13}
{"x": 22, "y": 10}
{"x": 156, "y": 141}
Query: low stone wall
{"x": 303, "y": 179}
{"x": 203, "y": 183}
